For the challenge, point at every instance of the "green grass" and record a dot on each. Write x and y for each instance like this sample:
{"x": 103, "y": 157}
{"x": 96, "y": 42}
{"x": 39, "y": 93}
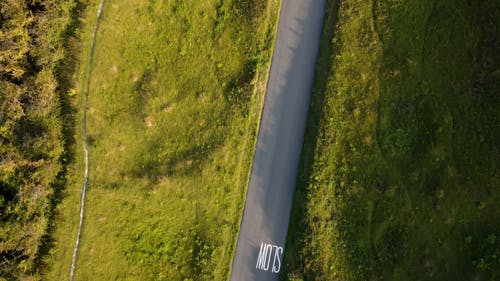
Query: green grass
{"x": 399, "y": 176}
{"x": 175, "y": 97}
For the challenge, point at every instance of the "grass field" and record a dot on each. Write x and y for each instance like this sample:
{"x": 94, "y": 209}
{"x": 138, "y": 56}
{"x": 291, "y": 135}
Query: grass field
{"x": 175, "y": 97}
{"x": 400, "y": 170}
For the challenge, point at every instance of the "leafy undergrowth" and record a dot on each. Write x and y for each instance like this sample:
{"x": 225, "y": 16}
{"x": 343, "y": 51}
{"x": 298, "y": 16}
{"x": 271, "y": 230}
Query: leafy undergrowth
{"x": 173, "y": 108}
{"x": 399, "y": 177}
{"x": 36, "y": 65}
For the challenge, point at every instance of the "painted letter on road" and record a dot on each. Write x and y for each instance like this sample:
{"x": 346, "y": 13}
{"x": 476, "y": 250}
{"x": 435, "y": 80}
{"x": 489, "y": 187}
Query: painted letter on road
{"x": 268, "y": 253}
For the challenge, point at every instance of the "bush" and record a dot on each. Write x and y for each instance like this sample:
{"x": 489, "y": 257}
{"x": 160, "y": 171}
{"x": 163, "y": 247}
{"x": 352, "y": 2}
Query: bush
{"x": 32, "y": 35}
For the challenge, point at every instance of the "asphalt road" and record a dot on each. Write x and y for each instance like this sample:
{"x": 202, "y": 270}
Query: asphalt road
{"x": 260, "y": 248}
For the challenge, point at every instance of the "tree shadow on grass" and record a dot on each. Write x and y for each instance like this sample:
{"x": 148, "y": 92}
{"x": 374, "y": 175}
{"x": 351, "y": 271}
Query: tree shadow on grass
{"x": 238, "y": 90}
{"x": 151, "y": 164}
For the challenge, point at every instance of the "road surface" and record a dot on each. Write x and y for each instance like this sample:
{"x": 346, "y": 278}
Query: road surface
{"x": 260, "y": 248}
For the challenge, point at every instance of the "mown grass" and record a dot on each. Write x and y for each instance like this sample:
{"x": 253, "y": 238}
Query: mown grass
{"x": 399, "y": 174}
{"x": 175, "y": 96}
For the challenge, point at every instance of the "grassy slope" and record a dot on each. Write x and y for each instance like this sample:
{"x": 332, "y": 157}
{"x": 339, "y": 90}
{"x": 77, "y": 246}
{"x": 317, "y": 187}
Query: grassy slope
{"x": 174, "y": 100}
{"x": 399, "y": 175}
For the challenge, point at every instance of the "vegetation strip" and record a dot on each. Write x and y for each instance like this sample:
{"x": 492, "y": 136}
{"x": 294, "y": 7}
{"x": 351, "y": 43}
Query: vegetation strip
{"x": 36, "y": 127}
{"x": 85, "y": 145}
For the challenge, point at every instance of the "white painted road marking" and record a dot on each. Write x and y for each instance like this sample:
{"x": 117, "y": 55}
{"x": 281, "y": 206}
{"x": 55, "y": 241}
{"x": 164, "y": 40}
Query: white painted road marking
{"x": 267, "y": 253}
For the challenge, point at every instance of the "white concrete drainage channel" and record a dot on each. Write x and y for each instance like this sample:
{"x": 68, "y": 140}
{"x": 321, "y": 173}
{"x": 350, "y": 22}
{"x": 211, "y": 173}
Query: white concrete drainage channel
{"x": 85, "y": 147}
